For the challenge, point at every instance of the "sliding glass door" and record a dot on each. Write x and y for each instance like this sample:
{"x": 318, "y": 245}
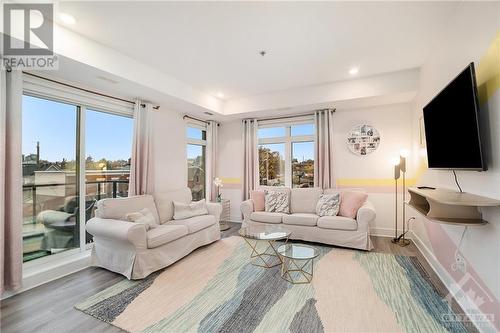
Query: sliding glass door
{"x": 68, "y": 150}
{"x": 50, "y": 182}
{"x": 108, "y": 146}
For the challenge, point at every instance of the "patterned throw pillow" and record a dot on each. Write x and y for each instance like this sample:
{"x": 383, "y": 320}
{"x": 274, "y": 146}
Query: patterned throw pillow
{"x": 277, "y": 202}
{"x": 328, "y": 205}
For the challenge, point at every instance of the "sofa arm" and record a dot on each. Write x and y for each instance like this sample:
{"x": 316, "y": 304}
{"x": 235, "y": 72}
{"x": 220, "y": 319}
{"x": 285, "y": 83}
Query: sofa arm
{"x": 246, "y": 209}
{"x": 366, "y": 214}
{"x": 122, "y": 231}
{"x": 215, "y": 209}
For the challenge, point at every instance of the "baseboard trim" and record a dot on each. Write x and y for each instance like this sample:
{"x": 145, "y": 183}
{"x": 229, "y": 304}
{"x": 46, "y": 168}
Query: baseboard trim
{"x": 460, "y": 296}
{"x": 382, "y": 232}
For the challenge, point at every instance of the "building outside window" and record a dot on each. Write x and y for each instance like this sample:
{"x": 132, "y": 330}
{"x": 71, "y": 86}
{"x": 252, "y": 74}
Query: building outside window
{"x": 286, "y": 154}
{"x": 196, "y": 159}
{"x": 71, "y": 158}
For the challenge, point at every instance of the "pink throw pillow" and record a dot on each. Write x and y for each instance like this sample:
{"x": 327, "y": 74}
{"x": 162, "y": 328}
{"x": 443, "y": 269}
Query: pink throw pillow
{"x": 259, "y": 200}
{"x": 350, "y": 202}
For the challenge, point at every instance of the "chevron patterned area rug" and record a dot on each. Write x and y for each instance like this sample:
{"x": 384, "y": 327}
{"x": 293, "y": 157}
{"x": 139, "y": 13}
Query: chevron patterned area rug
{"x": 216, "y": 289}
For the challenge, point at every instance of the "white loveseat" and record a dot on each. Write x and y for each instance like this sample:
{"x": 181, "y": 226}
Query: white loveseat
{"x": 127, "y": 248}
{"x": 304, "y": 224}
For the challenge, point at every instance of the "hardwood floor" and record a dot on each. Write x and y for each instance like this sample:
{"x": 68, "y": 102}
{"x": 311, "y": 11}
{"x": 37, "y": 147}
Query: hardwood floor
{"x": 49, "y": 308}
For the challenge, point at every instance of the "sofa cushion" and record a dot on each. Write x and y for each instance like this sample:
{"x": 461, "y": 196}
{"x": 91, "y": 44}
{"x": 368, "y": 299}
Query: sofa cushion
{"x": 267, "y": 217}
{"x": 118, "y": 208}
{"x": 196, "y": 223}
{"x": 301, "y": 219}
{"x": 337, "y": 222}
{"x": 304, "y": 200}
{"x": 350, "y": 202}
{"x": 144, "y": 216}
{"x": 328, "y": 204}
{"x": 165, "y": 202}
{"x": 351, "y": 199}
{"x": 259, "y": 200}
{"x": 277, "y": 202}
{"x": 164, "y": 234}
{"x": 186, "y": 210}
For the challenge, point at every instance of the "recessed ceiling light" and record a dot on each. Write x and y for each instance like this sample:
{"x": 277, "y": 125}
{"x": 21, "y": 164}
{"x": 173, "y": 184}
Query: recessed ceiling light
{"x": 67, "y": 19}
{"x": 208, "y": 113}
{"x": 354, "y": 71}
{"x": 220, "y": 95}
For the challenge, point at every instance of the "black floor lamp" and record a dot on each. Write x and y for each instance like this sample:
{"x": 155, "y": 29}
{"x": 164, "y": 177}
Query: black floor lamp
{"x": 400, "y": 169}
{"x": 397, "y": 174}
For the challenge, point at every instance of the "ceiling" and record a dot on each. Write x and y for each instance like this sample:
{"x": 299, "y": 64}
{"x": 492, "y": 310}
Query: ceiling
{"x": 214, "y": 46}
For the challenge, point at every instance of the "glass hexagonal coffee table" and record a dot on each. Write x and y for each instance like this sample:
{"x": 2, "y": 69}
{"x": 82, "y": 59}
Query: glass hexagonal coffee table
{"x": 262, "y": 241}
{"x": 297, "y": 262}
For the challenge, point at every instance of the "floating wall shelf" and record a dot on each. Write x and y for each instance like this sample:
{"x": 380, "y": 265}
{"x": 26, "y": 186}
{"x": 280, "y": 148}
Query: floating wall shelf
{"x": 449, "y": 207}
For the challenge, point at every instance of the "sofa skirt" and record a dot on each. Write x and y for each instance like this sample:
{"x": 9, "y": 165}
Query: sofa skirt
{"x": 125, "y": 259}
{"x": 357, "y": 239}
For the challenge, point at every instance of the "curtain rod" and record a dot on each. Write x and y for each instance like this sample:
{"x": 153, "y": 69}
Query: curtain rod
{"x": 201, "y": 120}
{"x": 294, "y": 116}
{"x": 156, "y": 107}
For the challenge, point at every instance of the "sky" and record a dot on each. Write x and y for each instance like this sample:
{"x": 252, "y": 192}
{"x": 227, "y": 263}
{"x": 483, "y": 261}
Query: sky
{"x": 300, "y": 150}
{"x": 53, "y": 124}
{"x": 109, "y": 136}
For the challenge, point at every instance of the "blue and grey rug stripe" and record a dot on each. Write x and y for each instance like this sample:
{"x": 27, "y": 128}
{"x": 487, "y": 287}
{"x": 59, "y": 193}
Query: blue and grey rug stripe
{"x": 427, "y": 296}
{"x": 218, "y": 291}
{"x": 397, "y": 282}
{"x": 109, "y": 308}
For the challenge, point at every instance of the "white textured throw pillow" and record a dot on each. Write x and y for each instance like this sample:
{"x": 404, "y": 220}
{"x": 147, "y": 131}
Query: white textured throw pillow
{"x": 328, "y": 205}
{"x": 277, "y": 202}
{"x": 144, "y": 216}
{"x": 184, "y": 211}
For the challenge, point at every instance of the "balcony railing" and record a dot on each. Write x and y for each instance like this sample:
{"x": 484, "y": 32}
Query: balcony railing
{"x": 98, "y": 194}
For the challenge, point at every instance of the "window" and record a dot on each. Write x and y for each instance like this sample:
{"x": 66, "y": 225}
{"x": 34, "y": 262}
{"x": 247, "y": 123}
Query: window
{"x": 303, "y": 164}
{"x": 286, "y": 154}
{"x": 72, "y": 157}
{"x": 50, "y": 168}
{"x": 107, "y": 157}
{"x": 196, "y": 152}
{"x": 272, "y": 164}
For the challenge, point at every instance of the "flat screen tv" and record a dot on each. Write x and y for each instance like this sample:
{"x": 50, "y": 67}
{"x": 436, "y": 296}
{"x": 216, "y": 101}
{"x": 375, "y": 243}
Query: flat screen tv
{"x": 451, "y": 121}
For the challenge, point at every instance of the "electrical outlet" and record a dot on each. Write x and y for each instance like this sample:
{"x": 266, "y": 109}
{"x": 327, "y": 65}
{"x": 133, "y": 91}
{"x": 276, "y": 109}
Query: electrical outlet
{"x": 459, "y": 264}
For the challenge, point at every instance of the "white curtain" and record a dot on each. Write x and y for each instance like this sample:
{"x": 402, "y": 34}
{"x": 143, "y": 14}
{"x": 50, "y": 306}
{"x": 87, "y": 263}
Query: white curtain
{"x": 11, "y": 196}
{"x": 141, "y": 165}
{"x": 211, "y": 163}
{"x": 250, "y": 157}
{"x": 323, "y": 169}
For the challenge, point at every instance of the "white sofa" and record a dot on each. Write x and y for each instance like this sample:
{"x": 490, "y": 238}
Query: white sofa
{"x": 127, "y": 248}
{"x": 304, "y": 224}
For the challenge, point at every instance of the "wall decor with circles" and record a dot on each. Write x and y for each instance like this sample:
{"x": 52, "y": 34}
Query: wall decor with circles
{"x": 363, "y": 139}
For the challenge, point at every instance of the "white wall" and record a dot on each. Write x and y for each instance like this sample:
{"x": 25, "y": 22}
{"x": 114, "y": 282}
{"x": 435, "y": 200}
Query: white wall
{"x": 470, "y": 33}
{"x": 373, "y": 171}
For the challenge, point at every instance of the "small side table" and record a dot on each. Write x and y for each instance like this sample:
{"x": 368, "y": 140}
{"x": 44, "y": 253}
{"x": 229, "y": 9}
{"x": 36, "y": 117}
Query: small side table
{"x": 297, "y": 262}
{"x": 225, "y": 216}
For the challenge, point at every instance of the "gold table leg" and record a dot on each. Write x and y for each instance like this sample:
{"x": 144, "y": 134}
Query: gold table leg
{"x": 291, "y": 266}
{"x": 264, "y": 258}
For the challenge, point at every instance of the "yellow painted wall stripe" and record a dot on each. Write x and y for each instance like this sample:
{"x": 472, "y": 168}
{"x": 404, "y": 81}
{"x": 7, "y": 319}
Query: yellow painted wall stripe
{"x": 488, "y": 71}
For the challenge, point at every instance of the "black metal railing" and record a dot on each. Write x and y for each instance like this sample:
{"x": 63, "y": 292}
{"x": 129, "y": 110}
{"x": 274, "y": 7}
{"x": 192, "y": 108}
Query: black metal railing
{"x": 98, "y": 194}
